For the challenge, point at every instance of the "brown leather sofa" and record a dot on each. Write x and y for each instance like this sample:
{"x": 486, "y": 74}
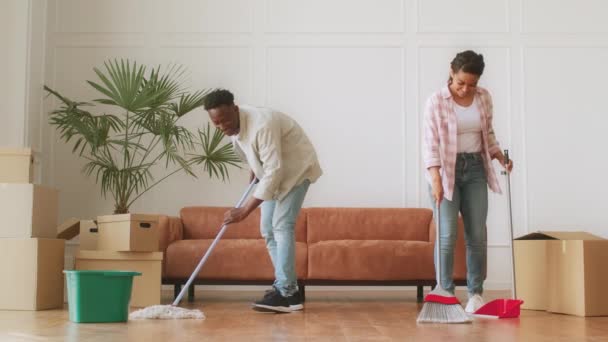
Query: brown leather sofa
{"x": 334, "y": 246}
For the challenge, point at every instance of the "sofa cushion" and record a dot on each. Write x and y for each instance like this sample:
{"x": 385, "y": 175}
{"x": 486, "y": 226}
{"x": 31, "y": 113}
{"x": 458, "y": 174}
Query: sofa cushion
{"x": 406, "y": 224}
{"x": 374, "y": 260}
{"x": 232, "y": 259}
{"x": 205, "y": 223}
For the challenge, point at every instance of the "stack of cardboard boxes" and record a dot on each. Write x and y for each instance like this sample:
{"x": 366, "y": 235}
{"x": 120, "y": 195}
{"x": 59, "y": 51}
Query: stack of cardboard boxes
{"x": 127, "y": 242}
{"x": 32, "y": 257}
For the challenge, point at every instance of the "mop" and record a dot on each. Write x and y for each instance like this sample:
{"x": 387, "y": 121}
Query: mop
{"x": 173, "y": 311}
{"x": 504, "y": 308}
{"x": 440, "y": 306}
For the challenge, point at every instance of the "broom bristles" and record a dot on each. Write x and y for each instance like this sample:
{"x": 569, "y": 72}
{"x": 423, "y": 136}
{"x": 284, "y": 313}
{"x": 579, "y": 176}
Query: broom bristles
{"x": 442, "y": 313}
{"x": 441, "y": 306}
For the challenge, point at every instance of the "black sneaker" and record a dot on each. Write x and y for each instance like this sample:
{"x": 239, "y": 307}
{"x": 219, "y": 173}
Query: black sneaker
{"x": 270, "y": 292}
{"x": 273, "y": 301}
{"x": 295, "y": 302}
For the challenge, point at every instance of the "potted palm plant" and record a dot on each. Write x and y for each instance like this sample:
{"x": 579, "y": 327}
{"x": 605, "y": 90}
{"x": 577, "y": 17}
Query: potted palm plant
{"x": 121, "y": 148}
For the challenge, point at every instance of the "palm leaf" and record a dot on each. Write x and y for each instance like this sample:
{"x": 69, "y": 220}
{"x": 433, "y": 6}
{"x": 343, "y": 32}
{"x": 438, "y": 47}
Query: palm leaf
{"x": 189, "y": 102}
{"x": 145, "y": 133}
{"x": 124, "y": 85}
{"x": 215, "y": 158}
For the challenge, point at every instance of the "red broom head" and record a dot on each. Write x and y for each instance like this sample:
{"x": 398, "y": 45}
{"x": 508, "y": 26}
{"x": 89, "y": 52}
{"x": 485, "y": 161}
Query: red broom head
{"x": 447, "y": 300}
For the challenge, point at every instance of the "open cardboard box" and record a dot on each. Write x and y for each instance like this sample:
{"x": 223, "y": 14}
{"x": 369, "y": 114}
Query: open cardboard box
{"x": 562, "y": 272}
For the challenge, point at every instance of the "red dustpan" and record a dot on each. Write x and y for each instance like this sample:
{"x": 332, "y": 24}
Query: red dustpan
{"x": 500, "y": 308}
{"x": 504, "y": 308}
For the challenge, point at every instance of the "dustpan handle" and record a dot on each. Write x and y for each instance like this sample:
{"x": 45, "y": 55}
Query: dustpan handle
{"x": 510, "y": 218}
{"x": 210, "y": 249}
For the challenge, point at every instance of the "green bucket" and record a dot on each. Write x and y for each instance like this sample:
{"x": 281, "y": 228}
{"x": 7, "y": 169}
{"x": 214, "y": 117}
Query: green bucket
{"x": 99, "y": 296}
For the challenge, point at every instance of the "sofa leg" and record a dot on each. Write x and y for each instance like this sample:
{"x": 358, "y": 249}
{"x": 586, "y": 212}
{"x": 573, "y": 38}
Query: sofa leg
{"x": 302, "y": 292}
{"x": 176, "y": 289}
{"x": 191, "y": 293}
{"x": 419, "y": 293}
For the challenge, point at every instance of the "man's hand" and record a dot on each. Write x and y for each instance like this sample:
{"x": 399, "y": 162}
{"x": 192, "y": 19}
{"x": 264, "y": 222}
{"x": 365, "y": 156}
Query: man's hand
{"x": 235, "y": 215}
{"x": 251, "y": 176}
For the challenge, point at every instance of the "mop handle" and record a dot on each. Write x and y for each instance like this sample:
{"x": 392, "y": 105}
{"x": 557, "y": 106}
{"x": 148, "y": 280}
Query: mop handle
{"x": 210, "y": 249}
{"x": 510, "y": 217}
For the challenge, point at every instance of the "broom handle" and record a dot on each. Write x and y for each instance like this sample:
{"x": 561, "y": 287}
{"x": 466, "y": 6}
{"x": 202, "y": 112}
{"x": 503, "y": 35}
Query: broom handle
{"x": 210, "y": 249}
{"x": 510, "y": 217}
{"x": 438, "y": 243}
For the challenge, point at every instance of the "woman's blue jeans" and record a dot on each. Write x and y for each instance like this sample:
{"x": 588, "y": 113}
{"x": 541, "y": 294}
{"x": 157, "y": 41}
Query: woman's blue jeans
{"x": 470, "y": 198}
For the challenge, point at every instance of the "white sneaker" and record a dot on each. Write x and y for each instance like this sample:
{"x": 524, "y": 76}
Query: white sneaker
{"x": 474, "y": 303}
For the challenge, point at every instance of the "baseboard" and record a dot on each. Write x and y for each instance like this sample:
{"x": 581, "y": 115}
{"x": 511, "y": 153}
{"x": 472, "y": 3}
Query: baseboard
{"x": 489, "y": 285}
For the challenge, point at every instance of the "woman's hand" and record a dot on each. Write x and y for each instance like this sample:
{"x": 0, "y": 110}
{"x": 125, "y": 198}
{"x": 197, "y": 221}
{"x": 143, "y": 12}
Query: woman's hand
{"x": 508, "y": 166}
{"x": 437, "y": 189}
{"x": 436, "y": 185}
{"x": 501, "y": 159}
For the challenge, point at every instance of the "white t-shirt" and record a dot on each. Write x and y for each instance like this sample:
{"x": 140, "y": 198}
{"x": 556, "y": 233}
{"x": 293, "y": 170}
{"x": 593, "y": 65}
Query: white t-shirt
{"x": 469, "y": 128}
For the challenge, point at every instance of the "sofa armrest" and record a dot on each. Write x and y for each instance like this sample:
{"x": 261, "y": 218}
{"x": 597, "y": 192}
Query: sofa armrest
{"x": 170, "y": 230}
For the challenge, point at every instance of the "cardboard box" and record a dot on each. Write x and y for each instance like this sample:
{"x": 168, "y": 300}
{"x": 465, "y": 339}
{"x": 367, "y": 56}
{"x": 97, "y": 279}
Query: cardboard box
{"x": 128, "y": 232}
{"x": 16, "y": 165}
{"x": 69, "y": 229}
{"x": 561, "y": 272}
{"x": 531, "y": 269}
{"x": 146, "y": 288}
{"x": 32, "y": 277}
{"x": 89, "y": 234}
{"x": 28, "y": 211}
{"x": 577, "y": 276}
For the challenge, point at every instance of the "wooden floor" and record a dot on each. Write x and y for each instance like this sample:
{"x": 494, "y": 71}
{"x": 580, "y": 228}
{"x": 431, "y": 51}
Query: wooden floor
{"x": 329, "y": 316}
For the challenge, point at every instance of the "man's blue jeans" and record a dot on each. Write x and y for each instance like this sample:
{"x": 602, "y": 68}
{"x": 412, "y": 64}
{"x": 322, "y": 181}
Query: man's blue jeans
{"x": 471, "y": 199}
{"x": 278, "y": 229}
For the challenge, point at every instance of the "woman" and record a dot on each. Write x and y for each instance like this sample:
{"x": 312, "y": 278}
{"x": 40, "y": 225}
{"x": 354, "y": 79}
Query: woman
{"x": 460, "y": 146}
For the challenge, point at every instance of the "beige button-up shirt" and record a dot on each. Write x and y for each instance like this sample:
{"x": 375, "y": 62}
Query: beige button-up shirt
{"x": 277, "y": 150}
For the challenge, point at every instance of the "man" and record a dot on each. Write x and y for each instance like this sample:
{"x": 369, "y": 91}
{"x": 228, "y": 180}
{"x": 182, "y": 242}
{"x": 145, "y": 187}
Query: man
{"x": 284, "y": 161}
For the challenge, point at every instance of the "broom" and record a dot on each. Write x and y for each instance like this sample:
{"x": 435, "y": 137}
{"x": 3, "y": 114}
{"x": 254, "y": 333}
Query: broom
{"x": 440, "y": 306}
{"x": 173, "y": 311}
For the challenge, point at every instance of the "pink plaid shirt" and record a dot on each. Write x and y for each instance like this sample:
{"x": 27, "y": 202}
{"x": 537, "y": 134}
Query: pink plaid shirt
{"x": 440, "y": 136}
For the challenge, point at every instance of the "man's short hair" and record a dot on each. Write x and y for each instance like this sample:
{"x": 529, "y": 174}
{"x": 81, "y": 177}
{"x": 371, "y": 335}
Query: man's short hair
{"x": 217, "y": 98}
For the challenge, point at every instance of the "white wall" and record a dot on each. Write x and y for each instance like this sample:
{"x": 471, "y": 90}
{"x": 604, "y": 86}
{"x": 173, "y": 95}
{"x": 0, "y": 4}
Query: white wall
{"x": 356, "y": 74}
{"x": 23, "y": 36}
{"x": 13, "y": 64}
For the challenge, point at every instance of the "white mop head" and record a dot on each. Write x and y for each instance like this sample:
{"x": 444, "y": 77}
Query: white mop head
{"x": 166, "y": 312}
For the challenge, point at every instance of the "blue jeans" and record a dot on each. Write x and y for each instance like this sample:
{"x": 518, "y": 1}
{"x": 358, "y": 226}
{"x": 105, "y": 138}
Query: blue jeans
{"x": 470, "y": 198}
{"x": 278, "y": 229}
